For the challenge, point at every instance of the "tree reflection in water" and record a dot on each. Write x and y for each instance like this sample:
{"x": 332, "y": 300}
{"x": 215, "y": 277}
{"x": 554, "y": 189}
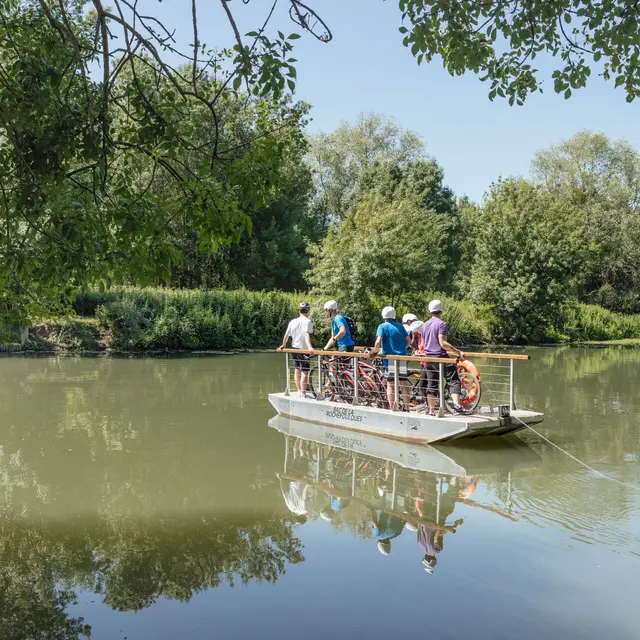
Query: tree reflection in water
{"x": 131, "y": 563}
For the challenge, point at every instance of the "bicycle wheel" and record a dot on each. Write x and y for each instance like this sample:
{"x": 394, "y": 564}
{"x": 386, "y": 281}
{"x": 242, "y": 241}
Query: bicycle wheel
{"x": 414, "y": 382}
{"x": 470, "y": 392}
{"x": 311, "y": 387}
{"x": 345, "y": 387}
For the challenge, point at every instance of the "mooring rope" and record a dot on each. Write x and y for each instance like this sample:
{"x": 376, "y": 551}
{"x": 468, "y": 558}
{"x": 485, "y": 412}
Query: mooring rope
{"x": 559, "y": 448}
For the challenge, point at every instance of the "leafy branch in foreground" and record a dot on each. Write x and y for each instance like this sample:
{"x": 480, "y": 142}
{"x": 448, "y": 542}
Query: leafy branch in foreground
{"x": 500, "y": 39}
{"x": 95, "y": 167}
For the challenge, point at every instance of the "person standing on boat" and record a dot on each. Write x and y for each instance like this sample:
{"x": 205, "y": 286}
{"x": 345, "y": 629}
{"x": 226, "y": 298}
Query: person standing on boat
{"x": 392, "y": 338}
{"x": 434, "y": 338}
{"x": 300, "y": 330}
{"x": 340, "y": 335}
{"x": 340, "y": 332}
{"x": 407, "y": 319}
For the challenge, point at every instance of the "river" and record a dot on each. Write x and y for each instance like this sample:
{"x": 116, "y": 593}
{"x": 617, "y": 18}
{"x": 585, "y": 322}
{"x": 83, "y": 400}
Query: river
{"x": 149, "y": 498}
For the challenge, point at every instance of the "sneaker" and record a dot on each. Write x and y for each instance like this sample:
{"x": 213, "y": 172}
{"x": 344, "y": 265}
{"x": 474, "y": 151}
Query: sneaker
{"x": 457, "y": 408}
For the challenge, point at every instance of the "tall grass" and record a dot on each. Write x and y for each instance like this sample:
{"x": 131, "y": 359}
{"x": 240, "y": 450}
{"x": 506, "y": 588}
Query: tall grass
{"x": 135, "y": 318}
{"x": 154, "y": 318}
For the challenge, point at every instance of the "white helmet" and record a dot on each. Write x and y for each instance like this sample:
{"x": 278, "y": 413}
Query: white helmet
{"x": 415, "y": 326}
{"x": 331, "y": 305}
{"x": 435, "y": 305}
{"x": 389, "y": 313}
{"x": 384, "y": 547}
{"x": 408, "y": 318}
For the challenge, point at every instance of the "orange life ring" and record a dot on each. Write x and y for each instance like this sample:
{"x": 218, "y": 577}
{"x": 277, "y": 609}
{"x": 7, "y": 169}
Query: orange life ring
{"x": 467, "y": 365}
{"x": 474, "y": 390}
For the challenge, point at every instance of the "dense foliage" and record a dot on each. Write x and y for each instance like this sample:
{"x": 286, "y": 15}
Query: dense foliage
{"x": 142, "y": 319}
{"x": 120, "y": 167}
{"x": 111, "y": 156}
{"x": 500, "y": 39}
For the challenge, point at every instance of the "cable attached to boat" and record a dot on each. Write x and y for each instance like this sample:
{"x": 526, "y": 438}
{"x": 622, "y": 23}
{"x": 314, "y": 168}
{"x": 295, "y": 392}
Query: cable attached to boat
{"x": 553, "y": 444}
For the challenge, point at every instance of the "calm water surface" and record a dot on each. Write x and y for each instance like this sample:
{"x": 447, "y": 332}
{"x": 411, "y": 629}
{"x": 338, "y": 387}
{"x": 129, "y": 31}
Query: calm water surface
{"x": 150, "y": 498}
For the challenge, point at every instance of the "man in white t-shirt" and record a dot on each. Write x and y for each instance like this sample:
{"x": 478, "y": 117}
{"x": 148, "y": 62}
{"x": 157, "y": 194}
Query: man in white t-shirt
{"x": 300, "y": 330}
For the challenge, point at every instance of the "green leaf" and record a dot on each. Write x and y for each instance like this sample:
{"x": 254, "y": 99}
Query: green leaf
{"x": 294, "y": 36}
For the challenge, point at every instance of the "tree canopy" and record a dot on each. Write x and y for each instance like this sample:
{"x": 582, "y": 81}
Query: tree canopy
{"x": 602, "y": 178}
{"x": 97, "y": 168}
{"x": 500, "y": 40}
{"x": 527, "y": 258}
{"x": 339, "y": 158}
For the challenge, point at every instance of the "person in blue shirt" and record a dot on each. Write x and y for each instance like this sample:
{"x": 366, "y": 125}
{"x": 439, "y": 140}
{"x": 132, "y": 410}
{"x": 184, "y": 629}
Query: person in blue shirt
{"x": 392, "y": 339}
{"x": 385, "y": 527}
{"x": 340, "y": 332}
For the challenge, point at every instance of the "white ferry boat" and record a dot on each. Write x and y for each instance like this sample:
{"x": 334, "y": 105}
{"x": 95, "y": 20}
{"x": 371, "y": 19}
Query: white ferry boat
{"x": 354, "y": 410}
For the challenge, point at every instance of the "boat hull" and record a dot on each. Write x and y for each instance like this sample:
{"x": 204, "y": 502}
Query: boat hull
{"x": 408, "y": 427}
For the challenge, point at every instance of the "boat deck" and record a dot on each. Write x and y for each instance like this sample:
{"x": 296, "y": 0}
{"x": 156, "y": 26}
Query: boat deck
{"x": 408, "y": 427}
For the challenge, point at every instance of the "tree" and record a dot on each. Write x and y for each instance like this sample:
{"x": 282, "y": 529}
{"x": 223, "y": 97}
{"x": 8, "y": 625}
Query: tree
{"x": 272, "y": 252}
{"x": 602, "y": 178}
{"x": 499, "y": 40}
{"x": 80, "y": 150}
{"x": 528, "y": 254}
{"x": 421, "y": 181}
{"x": 381, "y": 251}
{"x": 338, "y": 159}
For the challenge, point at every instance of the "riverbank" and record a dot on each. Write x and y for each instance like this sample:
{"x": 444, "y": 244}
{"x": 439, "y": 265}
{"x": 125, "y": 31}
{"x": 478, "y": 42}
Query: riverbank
{"x": 157, "y": 320}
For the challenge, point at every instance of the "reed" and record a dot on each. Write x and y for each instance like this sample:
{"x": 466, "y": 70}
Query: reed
{"x": 157, "y": 318}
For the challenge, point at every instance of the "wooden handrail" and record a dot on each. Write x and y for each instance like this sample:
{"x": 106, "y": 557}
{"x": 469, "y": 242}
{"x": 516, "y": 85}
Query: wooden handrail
{"x": 360, "y": 354}
{"x": 478, "y": 354}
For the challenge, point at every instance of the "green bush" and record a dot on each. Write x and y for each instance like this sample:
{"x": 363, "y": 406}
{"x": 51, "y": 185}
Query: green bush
{"x": 134, "y": 318}
{"x": 590, "y": 322}
{"x": 155, "y": 318}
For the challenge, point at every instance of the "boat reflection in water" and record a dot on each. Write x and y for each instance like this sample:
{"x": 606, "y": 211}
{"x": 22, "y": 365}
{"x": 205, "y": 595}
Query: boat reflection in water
{"x": 380, "y": 488}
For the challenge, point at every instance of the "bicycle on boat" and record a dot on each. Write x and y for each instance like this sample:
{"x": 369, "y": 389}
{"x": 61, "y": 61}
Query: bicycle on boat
{"x": 470, "y": 388}
{"x": 340, "y": 385}
{"x": 372, "y": 387}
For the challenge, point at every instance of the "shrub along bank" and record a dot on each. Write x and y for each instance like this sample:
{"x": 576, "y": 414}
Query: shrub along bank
{"x": 158, "y": 319}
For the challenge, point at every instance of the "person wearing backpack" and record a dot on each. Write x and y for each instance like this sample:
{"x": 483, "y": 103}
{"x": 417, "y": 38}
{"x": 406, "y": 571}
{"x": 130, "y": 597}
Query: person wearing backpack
{"x": 341, "y": 329}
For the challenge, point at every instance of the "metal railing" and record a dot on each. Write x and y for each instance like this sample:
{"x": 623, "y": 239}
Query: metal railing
{"x": 497, "y": 379}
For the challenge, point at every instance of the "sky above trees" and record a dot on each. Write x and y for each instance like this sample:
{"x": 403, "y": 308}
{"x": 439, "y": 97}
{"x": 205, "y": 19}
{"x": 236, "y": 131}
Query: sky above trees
{"x": 366, "y": 68}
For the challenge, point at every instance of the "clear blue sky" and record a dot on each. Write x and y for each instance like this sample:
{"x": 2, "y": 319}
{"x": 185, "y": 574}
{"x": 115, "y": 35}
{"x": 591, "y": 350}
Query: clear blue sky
{"x": 366, "y": 68}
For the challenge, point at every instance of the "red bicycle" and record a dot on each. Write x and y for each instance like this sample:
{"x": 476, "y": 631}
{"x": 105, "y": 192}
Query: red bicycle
{"x": 340, "y": 385}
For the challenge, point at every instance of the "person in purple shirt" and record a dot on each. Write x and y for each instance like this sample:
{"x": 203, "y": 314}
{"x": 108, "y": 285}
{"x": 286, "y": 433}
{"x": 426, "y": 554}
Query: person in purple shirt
{"x": 434, "y": 337}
